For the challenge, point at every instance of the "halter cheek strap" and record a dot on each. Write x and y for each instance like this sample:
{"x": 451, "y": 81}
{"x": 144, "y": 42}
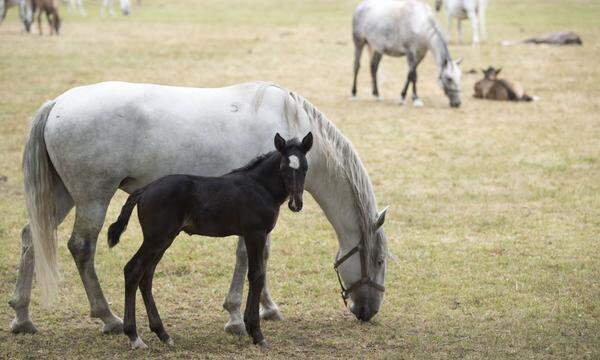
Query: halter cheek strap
{"x": 364, "y": 280}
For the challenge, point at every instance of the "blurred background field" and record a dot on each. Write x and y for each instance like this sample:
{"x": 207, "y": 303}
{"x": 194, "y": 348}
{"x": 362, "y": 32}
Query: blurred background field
{"x": 495, "y": 207}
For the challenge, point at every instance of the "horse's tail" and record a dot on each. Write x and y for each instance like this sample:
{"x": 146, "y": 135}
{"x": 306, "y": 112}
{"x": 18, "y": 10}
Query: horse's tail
{"x": 40, "y": 177}
{"x": 118, "y": 227}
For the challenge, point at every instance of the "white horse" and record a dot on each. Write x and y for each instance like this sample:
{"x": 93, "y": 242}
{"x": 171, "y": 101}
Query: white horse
{"x": 474, "y": 10}
{"x": 108, "y": 7}
{"x": 25, "y": 11}
{"x": 403, "y": 28}
{"x": 73, "y": 5}
{"x": 92, "y": 130}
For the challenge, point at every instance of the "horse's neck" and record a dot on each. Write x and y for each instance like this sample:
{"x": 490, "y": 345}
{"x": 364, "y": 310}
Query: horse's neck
{"x": 438, "y": 46}
{"x": 334, "y": 195}
{"x": 267, "y": 174}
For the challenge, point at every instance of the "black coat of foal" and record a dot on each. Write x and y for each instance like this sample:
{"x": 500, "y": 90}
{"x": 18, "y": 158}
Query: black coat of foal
{"x": 244, "y": 202}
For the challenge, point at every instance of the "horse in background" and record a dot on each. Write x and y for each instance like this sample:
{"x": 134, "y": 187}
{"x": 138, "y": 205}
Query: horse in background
{"x": 107, "y": 6}
{"x": 73, "y": 5}
{"x": 50, "y": 7}
{"x": 474, "y": 10}
{"x": 554, "y": 38}
{"x": 492, "y": 88}
{"x": 403, "y": 28}
{"x": 25, "y": 11}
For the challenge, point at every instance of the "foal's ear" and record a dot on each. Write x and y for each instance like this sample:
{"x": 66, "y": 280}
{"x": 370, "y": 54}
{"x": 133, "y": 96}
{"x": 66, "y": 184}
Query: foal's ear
{"x": 498, "y": 71}
{"x": 279, "y": 143}
{"x": 381, "y": 218}
{"x": 307, "y": 142}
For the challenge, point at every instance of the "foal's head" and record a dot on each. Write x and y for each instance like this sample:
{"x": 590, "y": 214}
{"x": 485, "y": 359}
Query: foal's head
{"x": 293, "y": 167}
{"x": 490, "y": 73}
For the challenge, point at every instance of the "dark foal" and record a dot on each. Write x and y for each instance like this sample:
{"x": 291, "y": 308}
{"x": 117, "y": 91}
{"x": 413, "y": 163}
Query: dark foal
{"x": 244, "y": 202}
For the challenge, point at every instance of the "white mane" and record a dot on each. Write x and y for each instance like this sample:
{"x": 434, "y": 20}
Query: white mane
{"x": 341, "y": 158}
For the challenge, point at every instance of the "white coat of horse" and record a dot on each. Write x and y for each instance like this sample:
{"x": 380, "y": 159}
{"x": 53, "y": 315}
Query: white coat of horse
{"x": 474, "y": 10}
{"x": 107, "y": 6}
{"x": 83, "y": 146}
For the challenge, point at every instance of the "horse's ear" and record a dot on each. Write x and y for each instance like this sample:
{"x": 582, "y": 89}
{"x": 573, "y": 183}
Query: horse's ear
{"x": 381, "y": 218}
{"x": 279, "y": 143}
{"x": 307, "y": 142}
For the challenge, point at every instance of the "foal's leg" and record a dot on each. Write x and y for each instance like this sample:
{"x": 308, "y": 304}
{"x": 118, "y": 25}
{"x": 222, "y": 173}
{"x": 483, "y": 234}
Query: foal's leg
{"x": 255, "y": 244}
{"x": 269, "y": 311}
{"x": 82, "y": 245}
{"x": 22, "y": 294}
{"x": 375, "y": 59}
{"x": 359, "y": 44}
{"x": 133, "y": 272}
{"x": 154, "y": 320}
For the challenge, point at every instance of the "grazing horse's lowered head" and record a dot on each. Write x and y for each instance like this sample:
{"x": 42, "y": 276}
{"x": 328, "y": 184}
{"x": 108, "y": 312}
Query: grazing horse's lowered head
{"x": 450, "y": 76}
{"x": 293, "y": 167}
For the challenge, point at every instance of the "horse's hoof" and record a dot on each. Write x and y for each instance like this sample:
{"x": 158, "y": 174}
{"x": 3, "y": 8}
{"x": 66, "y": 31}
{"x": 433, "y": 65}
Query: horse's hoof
{"x": 418, "y": 103}
{"x": 138, "y": 344}
{"x": 353, "y": 98}
{"x": 271, "y": 315}
{"x": 238, "y": 329}
{"x": 23, "y": 327}
{"x": 115, "y": 327}
{"x": 400, "y": 102}
{"x": 378, "y": 98}
{"x": 262, "y": 344}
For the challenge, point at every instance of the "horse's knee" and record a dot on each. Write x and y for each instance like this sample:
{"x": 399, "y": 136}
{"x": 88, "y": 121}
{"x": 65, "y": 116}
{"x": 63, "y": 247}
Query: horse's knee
{"x": 82, "y": 251}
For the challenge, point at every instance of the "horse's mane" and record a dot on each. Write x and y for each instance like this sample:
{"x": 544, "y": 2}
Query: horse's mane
{"x": 341, "y": 158}
{"x": 252, "y": 164}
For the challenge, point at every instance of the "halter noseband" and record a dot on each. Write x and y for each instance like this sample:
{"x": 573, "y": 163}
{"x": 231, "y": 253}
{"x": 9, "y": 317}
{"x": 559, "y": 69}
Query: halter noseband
{"x": 364, "y": 280}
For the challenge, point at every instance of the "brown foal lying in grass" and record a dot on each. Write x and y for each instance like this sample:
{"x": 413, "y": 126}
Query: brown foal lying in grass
{"x": 492, "y": 88}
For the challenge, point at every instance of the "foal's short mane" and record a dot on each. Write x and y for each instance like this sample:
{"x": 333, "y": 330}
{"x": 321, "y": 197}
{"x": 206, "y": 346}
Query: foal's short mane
{"x": 340, "y": 157}
{"x": 253, "y": 163}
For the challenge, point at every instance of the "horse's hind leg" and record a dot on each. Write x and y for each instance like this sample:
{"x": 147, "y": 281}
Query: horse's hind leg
{"x": 22, "y": 294}
{"x": 233, "y": 301}
{"x": 475, "y": 25}
{"x": 269, "y": 310}
{"x": 359, "y": 44}
{"x": 82, "y": 245}
{"x": 375, "y": 59}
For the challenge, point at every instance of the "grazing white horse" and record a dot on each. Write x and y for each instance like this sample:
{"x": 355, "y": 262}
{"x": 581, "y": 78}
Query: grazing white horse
{"x": 108, "y": 7}
{"x": 95, "y": 130}
{"x": 73, "y": 5}
{"x": 25, "y": 11}
{"x": 474, "y": 10}
{"x": 403, "y": 28}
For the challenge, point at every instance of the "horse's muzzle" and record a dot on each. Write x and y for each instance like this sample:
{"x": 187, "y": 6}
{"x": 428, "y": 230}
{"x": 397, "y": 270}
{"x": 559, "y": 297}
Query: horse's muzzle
{"x": 295, "y": 203}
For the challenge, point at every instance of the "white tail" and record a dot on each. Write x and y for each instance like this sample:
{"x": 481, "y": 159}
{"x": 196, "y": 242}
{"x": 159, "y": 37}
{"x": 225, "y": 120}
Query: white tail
{"x": 39, "y": 178}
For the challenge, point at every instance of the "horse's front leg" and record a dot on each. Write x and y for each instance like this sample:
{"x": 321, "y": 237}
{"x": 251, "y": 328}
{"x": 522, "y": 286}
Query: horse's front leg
{"x": 255, "y": 244}
{"x": 475, "y": 25}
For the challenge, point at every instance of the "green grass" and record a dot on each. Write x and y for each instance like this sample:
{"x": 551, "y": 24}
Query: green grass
{"x": 495, "y": 207}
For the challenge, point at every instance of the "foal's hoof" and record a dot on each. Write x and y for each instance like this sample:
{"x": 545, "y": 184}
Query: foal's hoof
{"x": 418, "y": 103}
{"x": 262, "y": 344}
{"x": 138, "y": 344}
{"x": 271, "y": 315}
{"x": 235, "y": 328}
{"x": 23, "y": 327}
{"x": 113, "y": 328}
{"x": 170, "y": 342}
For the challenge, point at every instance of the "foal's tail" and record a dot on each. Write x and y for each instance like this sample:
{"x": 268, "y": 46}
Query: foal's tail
{"x": 118, "y": 227}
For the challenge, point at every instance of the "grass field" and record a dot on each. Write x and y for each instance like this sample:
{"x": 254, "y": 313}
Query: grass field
{"x": 495, "y": 207}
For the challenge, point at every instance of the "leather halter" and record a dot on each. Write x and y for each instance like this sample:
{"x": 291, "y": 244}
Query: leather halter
{"x": 365, "y": 279}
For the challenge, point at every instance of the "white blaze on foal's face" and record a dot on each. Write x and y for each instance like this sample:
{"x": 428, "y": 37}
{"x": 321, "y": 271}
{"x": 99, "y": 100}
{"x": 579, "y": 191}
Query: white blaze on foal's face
{"x": 294, "y": 162}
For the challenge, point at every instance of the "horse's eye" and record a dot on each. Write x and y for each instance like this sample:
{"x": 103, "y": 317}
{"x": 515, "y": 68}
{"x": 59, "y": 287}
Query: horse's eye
{"x": 380, "y": 262}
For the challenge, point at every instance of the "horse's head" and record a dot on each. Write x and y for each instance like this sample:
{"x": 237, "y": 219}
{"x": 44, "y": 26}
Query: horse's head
{"x": 490, "y": 73}
{"x": 450, "y": 80}
{"x": 438, "y": 5}
{"x": 125, "y": 7}
{"x": 362, "y": 272}
{"x": 293, "y": 167}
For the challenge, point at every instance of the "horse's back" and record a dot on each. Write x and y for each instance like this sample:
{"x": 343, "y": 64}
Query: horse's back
{"x": 114, "y": 131}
